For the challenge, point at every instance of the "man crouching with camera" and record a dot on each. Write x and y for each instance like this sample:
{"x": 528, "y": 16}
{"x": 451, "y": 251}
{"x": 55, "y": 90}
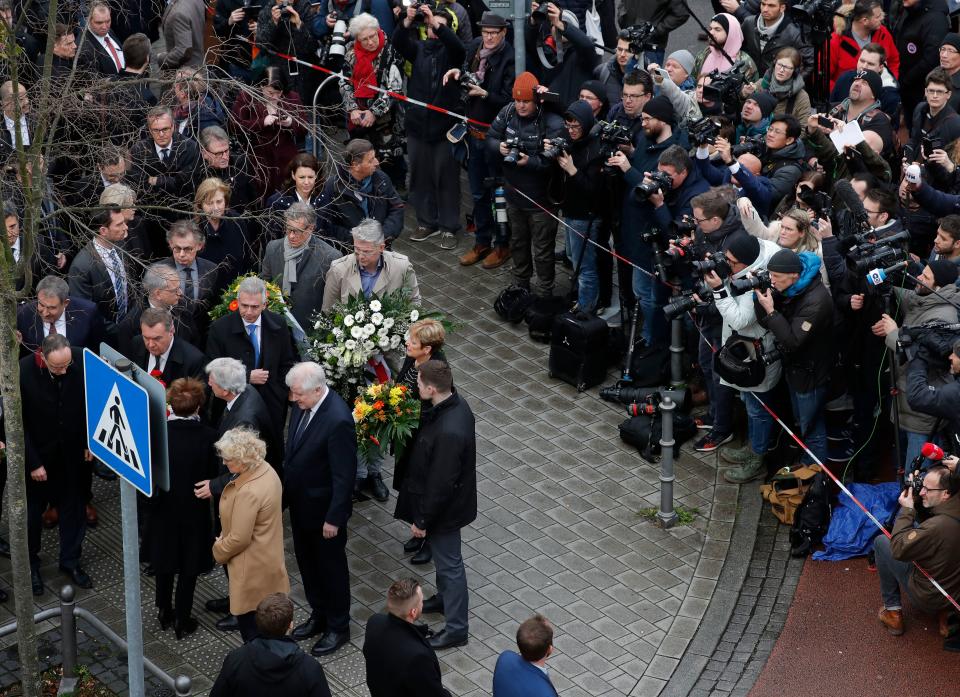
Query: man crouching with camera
{"x": 931, "y": 544}
{"x": 799, "y": 312}
{"x": 743, "y": 361}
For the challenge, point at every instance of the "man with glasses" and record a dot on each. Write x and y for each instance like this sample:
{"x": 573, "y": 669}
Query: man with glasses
{"x": 218, "y": 159}
{"x": 918, "y": 27}
{"x": 930, "y": 545}
{"x": 637, "y": 91}
{"x": 490, "y": 60}
{"x": 935, "y": 126}
{"x": 769, "y": 31}
{"x": 612, "y": 72}
{"x": 950, "y": 61}
{"x": 198, "y": 276}
{"x": 864, "y": 27}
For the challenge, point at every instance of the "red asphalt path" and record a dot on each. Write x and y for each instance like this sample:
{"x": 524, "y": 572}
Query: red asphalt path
{"x": 832, "y": 643}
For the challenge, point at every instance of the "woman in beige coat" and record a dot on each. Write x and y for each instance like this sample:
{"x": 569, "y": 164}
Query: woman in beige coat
{"x": 251, "y": 544}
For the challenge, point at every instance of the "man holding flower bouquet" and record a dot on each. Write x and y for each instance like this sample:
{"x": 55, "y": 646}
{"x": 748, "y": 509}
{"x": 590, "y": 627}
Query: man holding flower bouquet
{"x": 369, "y": 270}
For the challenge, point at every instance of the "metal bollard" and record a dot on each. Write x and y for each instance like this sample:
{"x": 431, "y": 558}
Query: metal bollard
{"x": 182, "y": 684}
{"x": 666, "y": 516}
{"x": 68, "y": 640}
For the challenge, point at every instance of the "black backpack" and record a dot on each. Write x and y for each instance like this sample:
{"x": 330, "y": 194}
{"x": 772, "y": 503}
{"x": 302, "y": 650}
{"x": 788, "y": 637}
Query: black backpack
{"x": 540, "y": 315}
{"x": 644, "y": 433}
{"x": 512, "y": 303}
{"x": 811, "y": 519}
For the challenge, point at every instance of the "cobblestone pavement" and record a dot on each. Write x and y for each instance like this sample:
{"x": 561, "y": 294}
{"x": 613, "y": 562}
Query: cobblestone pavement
{"x": 558, "y": 530}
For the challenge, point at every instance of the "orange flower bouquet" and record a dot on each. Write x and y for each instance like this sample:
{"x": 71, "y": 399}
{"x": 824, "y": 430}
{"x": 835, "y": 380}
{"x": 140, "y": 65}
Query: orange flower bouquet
{"x": 385, "y": 415}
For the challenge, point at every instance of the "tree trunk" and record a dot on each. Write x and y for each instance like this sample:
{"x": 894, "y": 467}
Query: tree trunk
{"x": 16, "y": 495}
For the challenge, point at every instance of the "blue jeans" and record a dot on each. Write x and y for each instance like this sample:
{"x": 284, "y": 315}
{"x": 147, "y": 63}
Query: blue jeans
{"x": 808, "y": 410}
{"x": 652, "y": 296}
{"x": 759, "y": 421}
{"x": 914, "y": 445}
{"x": 894, "y": 574}
{"x": 478, "y": 169}
{"x": 653, "y": 57}
{"x": 588, "y": 281}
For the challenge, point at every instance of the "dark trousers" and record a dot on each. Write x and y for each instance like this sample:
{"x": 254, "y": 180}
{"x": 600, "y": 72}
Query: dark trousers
{"x": 434, "y": 190}
{"x": 533, "y": 239}
{"x": 70, "y": 501}
{"x": 186, "y": 585}
{"x": 721, "y": 396}
{"x": 451, "y": 580}
{"x": 248, "y": 626}
{"x": 326, "y": 579}
{"x": 479, "y": 168}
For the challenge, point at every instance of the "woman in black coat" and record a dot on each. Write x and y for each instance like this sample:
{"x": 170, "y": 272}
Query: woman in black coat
{"x": 424, "y": 343}
{"x": 181, "y": 531}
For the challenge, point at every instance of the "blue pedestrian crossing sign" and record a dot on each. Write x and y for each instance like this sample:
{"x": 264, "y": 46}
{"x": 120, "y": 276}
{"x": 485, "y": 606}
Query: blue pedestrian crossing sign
{"x": 118, "y": 421}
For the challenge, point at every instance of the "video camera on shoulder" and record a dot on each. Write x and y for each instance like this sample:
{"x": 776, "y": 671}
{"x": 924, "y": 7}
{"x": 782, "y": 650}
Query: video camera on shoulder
{"x": 704, "y": 131}
{"x": 640, "y": 38}
{"x": 724, "y": 87}
{"x": 938, "y": 338}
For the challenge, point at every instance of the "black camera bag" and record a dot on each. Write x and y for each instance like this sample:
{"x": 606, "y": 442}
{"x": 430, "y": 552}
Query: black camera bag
{"x": 512, "y": 303}
{"x": 739, "y": 361}
{"x": 644, "y": 433}
{"x": 540, "y": 315}
{"x": 578, "y": 343}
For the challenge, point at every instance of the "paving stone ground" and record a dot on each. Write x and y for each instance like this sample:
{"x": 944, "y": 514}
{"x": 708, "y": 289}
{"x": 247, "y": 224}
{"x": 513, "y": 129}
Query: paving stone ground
{"x": 557, "y": 533}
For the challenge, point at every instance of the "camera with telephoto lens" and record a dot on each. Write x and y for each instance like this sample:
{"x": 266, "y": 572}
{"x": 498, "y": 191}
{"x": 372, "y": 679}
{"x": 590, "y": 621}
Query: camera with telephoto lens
{"x": 760, "y": 281}
{"x": 724, "y": 87}
{"x": 513, "y": 151}
{"x": 818, "y": 201}
{"x": 468, "y": 80}
{"x": 718, "y": 266}
{"x": 648, "y": 406}
{"x": 937, "y": 337}
{"x": 754, "y": 145}
{"x": 878, "y": 256}
{"x": 558, "y": 147}
{"x": 622, "y": 393}
{"x": 686, "y": 301}
{"x": 612, "y": 135}
{"x": 704, "y": 131}
{"x": 658, "y": 182}
{"x": 640, "y": 35}
{"x": 337, "y": 47}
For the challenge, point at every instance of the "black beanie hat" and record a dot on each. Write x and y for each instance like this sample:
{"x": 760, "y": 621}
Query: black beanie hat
{"x": 766, "y": 101}
{"x": 873, "y": 79}
{"x": 944, "y": 272}
{"x": 722, "y": 20}
{"x": 582, "y": 113}
{"x": 951, "y": 39}
{"x": 785, "y": 261}
{"x": 744, "y": 248}
{"x": 660, "y": 108}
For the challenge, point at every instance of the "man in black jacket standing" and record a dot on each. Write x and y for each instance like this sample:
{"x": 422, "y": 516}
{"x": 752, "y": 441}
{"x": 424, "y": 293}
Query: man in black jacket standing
{"x": 318, "y": 476}
{"x": 273, "y": 664}
{"x": 490, "y": 61}
{"x": 764, "y": 34}
{"x": 434, "y": 174}
{"x": 399, "y": 659}
{"x": 439, "y": 494}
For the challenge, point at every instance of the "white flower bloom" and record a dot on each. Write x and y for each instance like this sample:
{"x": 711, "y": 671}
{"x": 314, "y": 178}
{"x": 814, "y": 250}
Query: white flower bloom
{"x": 376, "y": 318}
{"x": 346, "y": 358}
{"x": 369, "y": 345}
{"x": 375, "y": 306}
{"x": 369, "y": 329}
{"x": 357, "y": 360}
{"x": 383, "y": 332}
{"x": 414, "y": 315}
{"x": 350, "y": 344}
{"x": 337, "y": 332}
{"x": 384, "y": 343}
{"x": 359, "y": 316}
{"x": 316, "y": 325}
{"x": 356, "y": 332}
{"x": 348, "y": 321}
{"x": 388, "y": 322}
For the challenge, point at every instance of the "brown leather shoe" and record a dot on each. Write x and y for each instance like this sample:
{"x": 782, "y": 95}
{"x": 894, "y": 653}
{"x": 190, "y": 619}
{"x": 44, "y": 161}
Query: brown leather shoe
{"x": 944, "y": 617}
{"x": 92, "y": 517}
{"x": 892, "y": 620}
{"x": 50, "y": 517}
{"x": 474, "y": 255}
{"x": 498, "y": 257}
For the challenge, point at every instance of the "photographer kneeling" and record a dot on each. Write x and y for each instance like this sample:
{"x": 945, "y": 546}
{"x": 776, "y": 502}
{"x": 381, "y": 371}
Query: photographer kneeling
{"x": 932, "y": 545}
{"x": 747, "y": 257}
{"x": 580, "y": 156}
{"x": 799, "y": 312}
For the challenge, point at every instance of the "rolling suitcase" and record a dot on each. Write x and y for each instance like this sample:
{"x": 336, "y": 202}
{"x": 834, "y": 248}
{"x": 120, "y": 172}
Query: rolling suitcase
{"x": 578, "y": 350}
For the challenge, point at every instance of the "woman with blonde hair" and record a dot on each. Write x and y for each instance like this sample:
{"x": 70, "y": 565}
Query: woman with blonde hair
{"x": 251, "y": 543}
{"x": 226, "y": 242}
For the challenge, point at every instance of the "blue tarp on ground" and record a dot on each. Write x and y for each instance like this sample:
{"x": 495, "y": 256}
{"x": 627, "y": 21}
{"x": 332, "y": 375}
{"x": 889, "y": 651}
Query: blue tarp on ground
{"x": 851, "y": 532}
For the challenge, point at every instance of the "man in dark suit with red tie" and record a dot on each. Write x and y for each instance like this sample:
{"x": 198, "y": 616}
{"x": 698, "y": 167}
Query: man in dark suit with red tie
{"x": 318, "y": 475}
{"x": 101, "y": 52}
{"x": 161, "y": 353}
{"x": 55, "y": 312}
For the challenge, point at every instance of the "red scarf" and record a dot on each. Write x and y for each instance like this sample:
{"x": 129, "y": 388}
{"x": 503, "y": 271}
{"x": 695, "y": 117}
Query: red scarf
{"x": 364, "y": 75}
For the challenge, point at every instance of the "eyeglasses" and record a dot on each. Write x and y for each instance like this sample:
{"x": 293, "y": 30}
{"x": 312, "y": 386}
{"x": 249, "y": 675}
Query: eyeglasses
{"x": 869, "y": 212}
{"x": 784, "y": 66}
{"x": 219, "y": 153}
{"x": 182, "y": 250}
{"x": 698, "y": 221}
{"x": 948, "y": 49}
{"x": 936, "y": 93}
{"x": 160, "y": 131}
{"x": 928, "y": 489}
{"x": 491, "y": 32}
{"x": 633, "y": 96}
{"x": 777, "y": 131}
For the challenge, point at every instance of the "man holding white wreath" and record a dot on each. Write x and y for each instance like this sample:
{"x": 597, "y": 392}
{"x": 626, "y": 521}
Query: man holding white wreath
{"x": 370, "y": 270}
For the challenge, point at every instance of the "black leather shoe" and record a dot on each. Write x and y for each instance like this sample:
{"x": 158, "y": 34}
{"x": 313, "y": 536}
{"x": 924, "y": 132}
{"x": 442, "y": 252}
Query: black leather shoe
{"x": 413, "y": 545}
{"x": 104, "y": 472}
{"x": 165, "y": 617}
{"x": 358, "y": 495}
{"x": 330, "y": 642}
{"x": 148, "y": 570}
{"x": 185, "y": 627}
{"x": 312, "y": 627}
{"x": 433, "y": 605}
{"x": 228, "y": 624}
{"x": 78, "y": 576}
{"x": 424, "y": 555}
{"x": 4, "y": 548}
{"x": 376, "y": 486}
{"x": 218, "y": 605}
{"x": 442, "y": 640}
{"x": 36, "y": 582}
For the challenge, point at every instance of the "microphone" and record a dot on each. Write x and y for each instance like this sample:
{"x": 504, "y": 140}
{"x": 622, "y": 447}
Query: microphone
{"x": 848, "y": 197}
{"x": 932, "y": 452}
{"x": 876, "y": 277}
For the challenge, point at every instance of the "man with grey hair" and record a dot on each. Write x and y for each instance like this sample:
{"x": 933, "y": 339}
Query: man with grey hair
{"x": 161, "y": 285}
{"x": 230, "y": 165}
{"x": 261, "y": 340}
{"x": 299, "y": 261}
{"x": 318, "y": 477}
{"x": 370, "y": 270}
{"x": 227, "y": 378}
{"x": 199, "y": 277}
{"x": 55, "y": 312}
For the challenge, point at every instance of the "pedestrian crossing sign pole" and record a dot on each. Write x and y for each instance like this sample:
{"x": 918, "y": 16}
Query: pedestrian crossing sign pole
{"x": 118, "y": 422}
